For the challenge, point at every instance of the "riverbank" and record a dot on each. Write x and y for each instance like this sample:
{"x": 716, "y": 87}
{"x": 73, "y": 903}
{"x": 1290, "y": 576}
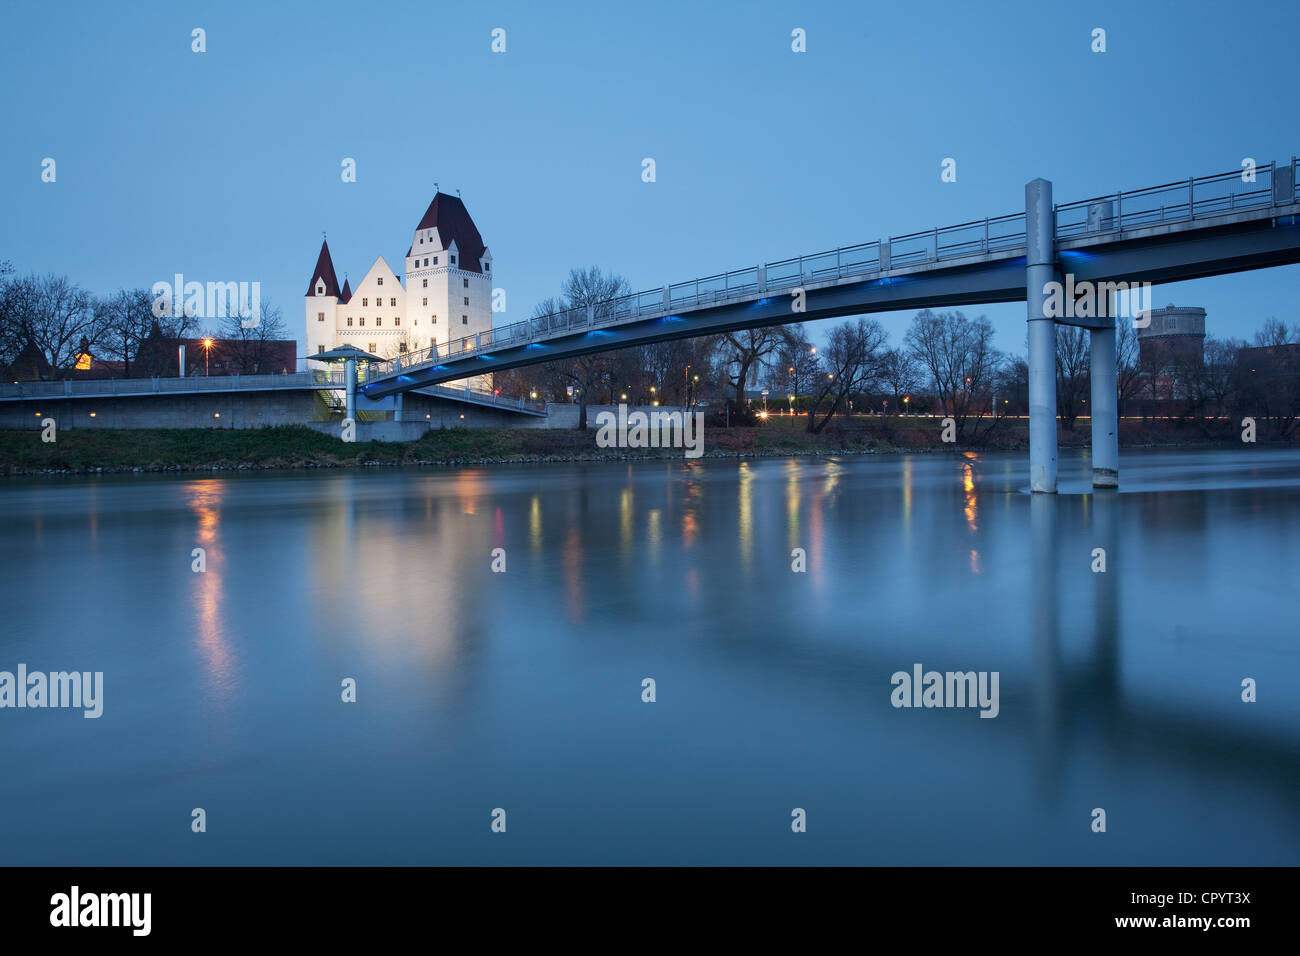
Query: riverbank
{"x": 87, "y": 451}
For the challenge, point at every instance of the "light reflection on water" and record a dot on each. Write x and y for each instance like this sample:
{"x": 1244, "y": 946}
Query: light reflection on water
{"x": 522, "y": 689}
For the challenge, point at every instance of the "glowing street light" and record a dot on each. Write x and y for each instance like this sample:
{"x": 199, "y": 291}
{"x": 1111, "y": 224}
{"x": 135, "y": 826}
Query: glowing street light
{"x": 207, "y": 351}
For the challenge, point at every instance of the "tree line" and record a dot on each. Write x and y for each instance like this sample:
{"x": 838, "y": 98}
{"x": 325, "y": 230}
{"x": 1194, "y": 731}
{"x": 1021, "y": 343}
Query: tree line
{"x": 47, "y": 322}
{"x": 945, "y": 364}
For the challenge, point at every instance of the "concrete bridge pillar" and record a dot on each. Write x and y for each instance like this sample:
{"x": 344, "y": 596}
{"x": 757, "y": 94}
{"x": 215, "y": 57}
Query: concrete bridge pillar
{"x": 350, "y": 388}
{"x": 1040, "y": 269}
{"x": 1105, "y": 405}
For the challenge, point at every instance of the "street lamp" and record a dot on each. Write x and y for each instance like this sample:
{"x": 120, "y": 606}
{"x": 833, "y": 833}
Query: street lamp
{"x": 207, "y": 350}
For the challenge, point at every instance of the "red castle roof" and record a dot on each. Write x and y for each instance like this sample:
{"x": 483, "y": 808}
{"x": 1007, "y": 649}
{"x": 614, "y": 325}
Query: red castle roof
{"x": 324, "y": 271}
{"x": 449, "y": 216}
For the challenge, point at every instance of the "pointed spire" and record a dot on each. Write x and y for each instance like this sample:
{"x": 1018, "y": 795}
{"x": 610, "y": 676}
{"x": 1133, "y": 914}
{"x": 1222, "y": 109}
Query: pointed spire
{"x": 346, "y": 295}
{"x": 325, "y": 272}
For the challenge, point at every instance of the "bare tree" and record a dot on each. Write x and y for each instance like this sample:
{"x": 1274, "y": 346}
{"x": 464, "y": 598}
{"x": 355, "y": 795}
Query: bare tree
{"x": 854, "y": 359}
{"x": 1128, "y": 364}
{"x": 900, "y": 375}
{"x": 53, "y": 315}
{"x": 1072, "y": 351}
{"x": 593, "y": 292}
{"x": 746, "y": 347}
{"x": 959, "y": 356}
{"x": 796, "y": 367}
{"x": 127, "y": 315}
{"x": 1276, "y": 332}
{"x": 248, "y": 348}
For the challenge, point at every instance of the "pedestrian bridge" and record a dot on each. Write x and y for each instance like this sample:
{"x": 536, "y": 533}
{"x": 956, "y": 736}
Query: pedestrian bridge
{"x": 208, "y": 385}
{"x": 1188, "y": 229}
{"x": 1183, "y": 230}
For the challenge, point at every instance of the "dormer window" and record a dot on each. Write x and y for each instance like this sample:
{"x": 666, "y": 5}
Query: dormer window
{"x": 453, "y": 260}
{"x": 320, "y": 288}
{"x": 487, "y": 267}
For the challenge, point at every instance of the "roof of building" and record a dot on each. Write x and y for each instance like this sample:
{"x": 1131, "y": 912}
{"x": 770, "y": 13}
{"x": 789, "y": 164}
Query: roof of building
{"x": 325, "y": 271}
{"x": 449, "y": 216}
{"x": 342, "y": 353}
{"x": 346, "y": 295}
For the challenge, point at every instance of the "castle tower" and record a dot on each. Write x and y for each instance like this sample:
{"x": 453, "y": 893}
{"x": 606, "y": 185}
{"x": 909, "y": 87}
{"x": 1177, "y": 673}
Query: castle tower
{"x": 448, "y": 279}
{"x": 322, "y": 303}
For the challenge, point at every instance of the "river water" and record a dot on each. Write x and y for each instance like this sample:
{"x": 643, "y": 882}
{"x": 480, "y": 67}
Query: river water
{"x": 522, "y": 690}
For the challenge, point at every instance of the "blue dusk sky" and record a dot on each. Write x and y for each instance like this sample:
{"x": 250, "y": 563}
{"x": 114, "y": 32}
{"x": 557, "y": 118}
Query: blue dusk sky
{"x": 225, "y": 165}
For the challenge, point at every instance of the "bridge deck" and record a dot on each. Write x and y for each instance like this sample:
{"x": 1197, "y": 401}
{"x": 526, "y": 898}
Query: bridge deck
{"x": 1140, "y": 236}
{"x": 207, "y": 385}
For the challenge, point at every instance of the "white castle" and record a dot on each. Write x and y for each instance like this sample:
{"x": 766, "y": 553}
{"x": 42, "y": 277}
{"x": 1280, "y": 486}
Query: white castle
{"x": 447, "y": 295}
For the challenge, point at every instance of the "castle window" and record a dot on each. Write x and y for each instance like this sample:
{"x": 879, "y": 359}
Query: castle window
{"x": 320, "y": 288}
{"x": 435, "y": 320}
{"x": 349, "y": 320}
{"x": 365, "y": 301}
{"x": 487, "y": 267}
{"x": 401, "y": 346}
{"x": 426, "y": 284}
{"x": 453, "y": 260}
{"x": 397, "y": 320}
{"x": 320, "y": 350}
{"x": 320, "y": 316}
{"x": 426, "y": 300}
{"x": 435, "y": 260}
{"x": 422, "y": 240}
{"x": 466, "y": 281}
{"x": 467, "y": 300}
{"x": 393, "y": 302}
{"x": 363, "y": 321}
{"x": 426, "y": 261}
{"x": 378, "y": 320}
{"x": 372, "y": 348}
{"x": 379, "y": 280}
{"x": 464, "y": 320}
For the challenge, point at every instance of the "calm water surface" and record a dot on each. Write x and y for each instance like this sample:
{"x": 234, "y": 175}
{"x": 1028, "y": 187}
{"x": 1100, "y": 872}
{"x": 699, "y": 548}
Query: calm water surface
{"x": 522, "y": 690}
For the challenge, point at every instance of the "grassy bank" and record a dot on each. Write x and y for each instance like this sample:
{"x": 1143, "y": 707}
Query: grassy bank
{"x": 150, "y": 450}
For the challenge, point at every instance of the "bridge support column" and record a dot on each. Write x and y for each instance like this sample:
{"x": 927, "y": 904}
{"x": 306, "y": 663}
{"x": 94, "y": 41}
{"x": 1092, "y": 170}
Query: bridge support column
{"x": 1105, "y": 414}
{"x": 397, "y": 406}
{"x": 1040, "y": 269}
{"x": 350, "y": 389}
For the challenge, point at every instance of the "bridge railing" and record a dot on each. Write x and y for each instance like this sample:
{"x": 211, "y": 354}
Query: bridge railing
{"x": 1173, "y": 202}
{"x": 1183, "y": 201}
{"x": 149, "y": 386}
{"x": 331, "y": 378}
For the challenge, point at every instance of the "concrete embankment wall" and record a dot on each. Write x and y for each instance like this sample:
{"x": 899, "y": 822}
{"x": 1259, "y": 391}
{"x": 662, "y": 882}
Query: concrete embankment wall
{"x": 259, "y": 409}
